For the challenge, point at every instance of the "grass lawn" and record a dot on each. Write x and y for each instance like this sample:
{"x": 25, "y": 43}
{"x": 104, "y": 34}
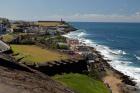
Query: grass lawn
{"x": 81, "y": 83}
{"x": 50, "y": 24}
{"x": 8, "y": 37}
{"x": 34, "y": 54}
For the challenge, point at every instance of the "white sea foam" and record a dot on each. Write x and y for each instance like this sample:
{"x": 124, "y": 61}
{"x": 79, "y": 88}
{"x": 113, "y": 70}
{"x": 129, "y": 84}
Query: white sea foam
{"x": 111, "y": 54}
{"x": 76, "y": 35}
{"x": 138, "y": 58}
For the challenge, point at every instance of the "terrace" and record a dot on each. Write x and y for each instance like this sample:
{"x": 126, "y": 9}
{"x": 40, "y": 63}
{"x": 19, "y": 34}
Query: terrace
{"x": 51, "y": 23}
{"x": 31, "y": 54}
{"x": 7, "y": 38}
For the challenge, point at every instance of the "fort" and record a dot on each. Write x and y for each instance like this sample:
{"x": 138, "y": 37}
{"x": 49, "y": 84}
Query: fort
{"x": 39, "y": 49}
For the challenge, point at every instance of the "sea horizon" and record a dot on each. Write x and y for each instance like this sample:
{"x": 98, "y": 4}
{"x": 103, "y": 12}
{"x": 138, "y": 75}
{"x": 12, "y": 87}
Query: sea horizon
{"x": 99, "y": 22}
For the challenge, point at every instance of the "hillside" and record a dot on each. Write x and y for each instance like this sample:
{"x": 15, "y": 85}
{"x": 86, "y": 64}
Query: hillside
{"x": 17, "y": 79}
{"x": 82, "y": 83}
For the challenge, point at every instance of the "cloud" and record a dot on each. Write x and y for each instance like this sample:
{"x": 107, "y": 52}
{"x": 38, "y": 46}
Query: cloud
{"x": 99, "y": 17}
{"x": 87, "y": 17}
{"x": 137, "y": 13}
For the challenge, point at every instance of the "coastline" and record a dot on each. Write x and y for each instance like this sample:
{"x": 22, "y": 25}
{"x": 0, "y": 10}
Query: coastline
{"x": 115, "y": 80}
{"x": 122, "y": 83}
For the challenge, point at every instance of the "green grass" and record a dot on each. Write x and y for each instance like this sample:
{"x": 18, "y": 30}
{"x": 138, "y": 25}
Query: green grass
{"x": 7, "y": 38}
{"x": 50, "y": 24}
{"x": 81, "y": 83}
{"x": 34, "y": 54}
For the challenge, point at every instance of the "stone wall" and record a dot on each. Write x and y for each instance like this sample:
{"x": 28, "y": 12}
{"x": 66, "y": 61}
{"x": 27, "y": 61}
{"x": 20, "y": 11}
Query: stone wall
{"x": 67, "y": 66}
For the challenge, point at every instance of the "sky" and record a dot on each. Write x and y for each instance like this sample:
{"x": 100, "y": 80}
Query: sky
{"x": 72, "y": 10}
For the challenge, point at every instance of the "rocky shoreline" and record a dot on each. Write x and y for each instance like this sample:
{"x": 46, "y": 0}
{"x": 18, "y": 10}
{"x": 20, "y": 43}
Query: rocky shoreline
{"x": 104, "y": 69}
{"x": 106, "y": 73}
{"x": 126, "y": 84}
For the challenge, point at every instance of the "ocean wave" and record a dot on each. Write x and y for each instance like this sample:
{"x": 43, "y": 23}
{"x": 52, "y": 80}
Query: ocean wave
{"x": 137, "y": 57}
{"x": 77, "y": 34}
{"x": 110, "y": 54}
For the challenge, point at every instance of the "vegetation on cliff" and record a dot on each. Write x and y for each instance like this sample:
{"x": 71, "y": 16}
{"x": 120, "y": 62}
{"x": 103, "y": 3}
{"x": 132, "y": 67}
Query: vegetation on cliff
{"x": 82, "y": 83}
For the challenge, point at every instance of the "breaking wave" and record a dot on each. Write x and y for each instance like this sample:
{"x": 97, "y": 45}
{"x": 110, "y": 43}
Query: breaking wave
{"x": 114, "y": 55}
{"x": 137, "y": 57}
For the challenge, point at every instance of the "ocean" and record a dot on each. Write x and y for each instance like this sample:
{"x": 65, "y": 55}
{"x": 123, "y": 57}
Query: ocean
{"x": 118, "y": 42}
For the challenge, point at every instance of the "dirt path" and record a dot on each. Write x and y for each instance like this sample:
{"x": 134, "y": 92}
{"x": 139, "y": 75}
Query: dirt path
{"x": 113, "y": 82}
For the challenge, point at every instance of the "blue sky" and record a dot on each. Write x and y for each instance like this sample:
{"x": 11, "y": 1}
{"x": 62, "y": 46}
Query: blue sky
{"x": 72, "y": 10}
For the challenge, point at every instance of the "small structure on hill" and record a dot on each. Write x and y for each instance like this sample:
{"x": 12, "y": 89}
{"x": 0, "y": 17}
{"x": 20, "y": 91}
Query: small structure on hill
{"x": 83, "y": 50}
{"x": 73, "y": 43}
{"x": 63, "y": 45}
{"x": 2, "y": 28}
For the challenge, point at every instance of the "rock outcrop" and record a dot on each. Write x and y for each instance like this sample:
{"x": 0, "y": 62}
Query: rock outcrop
{"x": 15, "y": 78}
